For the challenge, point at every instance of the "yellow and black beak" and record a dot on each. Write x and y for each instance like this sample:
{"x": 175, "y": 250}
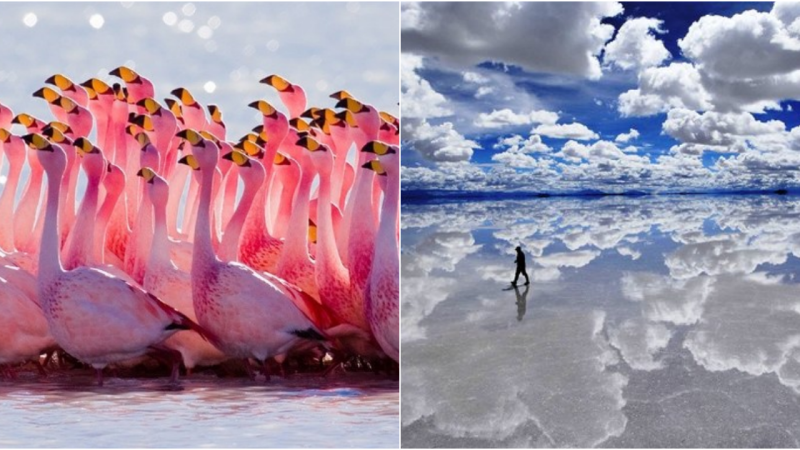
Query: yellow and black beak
{"x": 299, "y": 124}
{"x": 347, "y": 117}
{"x": 60, "y": 126}
{"x": 127, "y": 75}
{"x": 340, "y": 95}
{"x": 278, "y": 82}
{"x": 211, "y": 137}
{"x": 351, "y": 105}
{"x": 238, "y": 158}
{"x": 56, "y": 135}
{"x": 281, "y": 160}
{"x": 142, "y": 138}
{"x": 85, "y": 147}
{"x": 147, "y": 173}
{"x": 310, "y": 144}
{"x": 265, "y": 108}
{"x": 311, "y": 113}
{"x": 312, "y": 231}
{"x": 5, "y": 135}
{"x": 375, "y": 166}
{"x": 250, "y": 148}
{"x": 37, "y": 142}
{"x": 175, "y": 107}
{"x": 378, "y": 148}
{"x": 96, "y": 85}
{"x": 215, "y": 113}
{"x": 192, "y": 136}
{"x": 62, "y": 82}
{"x": 184, "y": 96}
{"x": 144, "y": 122}
{"x": 150, "y": 105}
{"x": 26, "y": 120}
{"x": 190, "y": 161}
{"x": 48, "y": 94}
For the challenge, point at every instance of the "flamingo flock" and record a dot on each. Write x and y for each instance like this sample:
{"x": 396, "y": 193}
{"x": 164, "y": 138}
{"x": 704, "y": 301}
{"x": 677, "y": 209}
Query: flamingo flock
{"x": 191, "y": 247}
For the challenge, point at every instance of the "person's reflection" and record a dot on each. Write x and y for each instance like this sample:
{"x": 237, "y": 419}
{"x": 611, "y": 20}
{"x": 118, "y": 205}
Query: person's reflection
{"x": 522, "y": 301}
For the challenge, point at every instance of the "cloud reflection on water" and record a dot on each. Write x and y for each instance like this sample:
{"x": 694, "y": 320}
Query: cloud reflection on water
{"x": 635, "y": 302}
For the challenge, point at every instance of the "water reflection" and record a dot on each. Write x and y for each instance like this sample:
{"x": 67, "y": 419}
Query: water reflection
{"x": 669, "y": 321}
{"x": 205, "y": 412}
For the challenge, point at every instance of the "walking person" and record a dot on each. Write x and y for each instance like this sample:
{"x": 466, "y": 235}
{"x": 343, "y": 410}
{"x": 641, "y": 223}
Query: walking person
{"x": 520, "y": 267}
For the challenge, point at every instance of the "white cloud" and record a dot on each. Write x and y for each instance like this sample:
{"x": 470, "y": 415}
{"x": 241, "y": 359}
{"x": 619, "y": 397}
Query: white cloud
{"x": 541, "y": 37}
{"x": 662, "y": 88}
{"x": 419, "y": 98}
{"x": 748, "y": 45}
{"x": 728, "y": 130}
{"x": 474, "y": 77}
{"x": 440, "y": 143}
{"x": 635, "y": 47}
{"x": 573, "y": 130}
{"x": 629, "y": 136}
{"x": 508, "y": 118}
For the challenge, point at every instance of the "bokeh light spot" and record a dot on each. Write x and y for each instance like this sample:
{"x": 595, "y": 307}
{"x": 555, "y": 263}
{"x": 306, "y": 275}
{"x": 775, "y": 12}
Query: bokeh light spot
{"x": 210, "y": 86}
{"x": 97, "y": 21}
{"x": 322, "y": 85}
{"x": 30, "y": 20}
{"x": 188, "y": 9}
{"x": 214, "y": 22}
{"x": 186, "y": 25}
{"x": 273, "y": 45}
{"x": 170, "y": 18}
{"x": 205, "y": 32}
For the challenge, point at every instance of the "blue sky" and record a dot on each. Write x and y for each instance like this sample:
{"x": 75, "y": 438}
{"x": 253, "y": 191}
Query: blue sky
{"x": 604, "y": 96}
{"x": 219, "y": 51}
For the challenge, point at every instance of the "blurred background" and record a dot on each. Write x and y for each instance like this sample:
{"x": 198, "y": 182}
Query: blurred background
{"x": 219, "y": 51}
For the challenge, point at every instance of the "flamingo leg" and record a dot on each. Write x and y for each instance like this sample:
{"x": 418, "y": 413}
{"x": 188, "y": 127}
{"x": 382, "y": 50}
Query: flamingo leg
{"x": 265, "y": 370}
{"x": 99, "y": 373}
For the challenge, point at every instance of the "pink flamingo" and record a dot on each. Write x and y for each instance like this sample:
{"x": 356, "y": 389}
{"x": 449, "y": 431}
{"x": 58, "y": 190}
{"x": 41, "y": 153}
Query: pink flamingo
{"x": 114, "y": 184}
{"x": 23, "y": 327}
{"x": 138, "y": 86}
{"x": 383, "y": 290}
{"x": 193, "y": 114}
{"x": 171, "y": 284}
{"x": 295, "y": 265}
{"x": 6, "y": 114}
{"x": 251, "y": 316}
{"x": 69, "y": 89}
{"x": 79, "y": 248}
{"x": 292, "y": 95}
{"x": 14, "y": 150}
{"x": 164, "y": 124}
{"x": 101, "y": 100}
{"x": 253, "y": 175}
{"x": 142, "y": 231}
{"x": 95, "y": 317}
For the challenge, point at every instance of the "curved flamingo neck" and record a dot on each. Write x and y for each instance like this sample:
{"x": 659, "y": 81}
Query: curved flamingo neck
{"x": 25, "y": 215}
{"x": 256, "y": 223}
{"x": 7, "y": 205}
{"x": 327, "y": 254}
{"x": 296, "y": 244}
{"x": 203, "y": 253}
{"x": 103, "y": 217}
{"x": 49, "y": 259}
{"x": 80, "y": 244}
{"x": 386, "y": 240}
{"x": 229, "y": 248}
{"x": 159, "y": 248}
{"x": 290, "y": 179}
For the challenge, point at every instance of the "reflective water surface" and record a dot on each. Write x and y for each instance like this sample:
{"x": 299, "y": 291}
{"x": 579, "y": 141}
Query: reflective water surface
{"x": 204, "y": 412}
{"x": 649, "y": 322}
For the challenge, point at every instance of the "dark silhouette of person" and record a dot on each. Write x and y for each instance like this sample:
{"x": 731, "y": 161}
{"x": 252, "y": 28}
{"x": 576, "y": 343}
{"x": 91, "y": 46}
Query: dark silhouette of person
{"x": 520, "y": 267}
{"x": 522, "y": 301}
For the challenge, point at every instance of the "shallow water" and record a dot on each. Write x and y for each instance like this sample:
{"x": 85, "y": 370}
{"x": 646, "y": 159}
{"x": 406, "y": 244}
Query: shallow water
{"x": 649, "y": 322}
{"x": 69, "y": 411}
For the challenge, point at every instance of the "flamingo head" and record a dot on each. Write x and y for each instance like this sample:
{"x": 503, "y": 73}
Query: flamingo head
{"x": 51, "y": 156}
{"x": 320, "y": 154}
{"x": 205, "y": 152}
{"x": 92, "y": 159}
{"x": 114, "y": 181}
